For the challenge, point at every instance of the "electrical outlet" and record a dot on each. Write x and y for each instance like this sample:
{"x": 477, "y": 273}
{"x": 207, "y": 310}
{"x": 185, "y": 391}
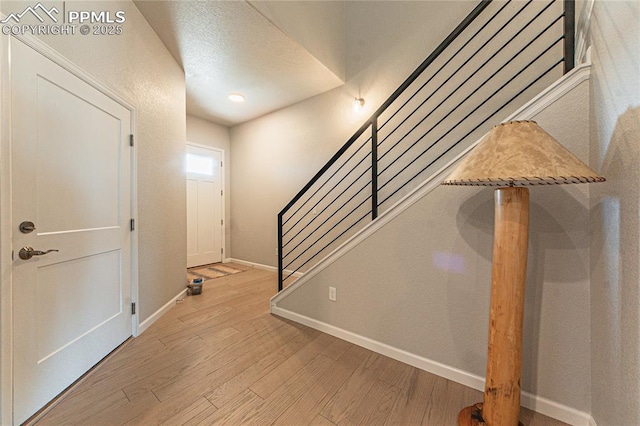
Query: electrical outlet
{"x": 332, "y": 294}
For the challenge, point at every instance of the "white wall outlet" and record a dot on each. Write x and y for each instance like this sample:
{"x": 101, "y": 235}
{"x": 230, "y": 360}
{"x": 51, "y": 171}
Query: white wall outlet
{"x": 332, "y": 294}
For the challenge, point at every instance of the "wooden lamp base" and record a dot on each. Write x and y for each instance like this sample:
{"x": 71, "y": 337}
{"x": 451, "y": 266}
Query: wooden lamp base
{"x": 501, "y": 406}
{"x": 472, "y": 416}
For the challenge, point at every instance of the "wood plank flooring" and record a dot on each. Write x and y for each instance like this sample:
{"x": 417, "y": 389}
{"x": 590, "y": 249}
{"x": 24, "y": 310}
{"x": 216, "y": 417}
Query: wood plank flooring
{"x": 221, "y": 358}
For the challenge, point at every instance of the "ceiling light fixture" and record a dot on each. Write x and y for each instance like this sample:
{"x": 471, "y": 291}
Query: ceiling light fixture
{"x": 358, "y": 104}
{"x": 236, "y": 97}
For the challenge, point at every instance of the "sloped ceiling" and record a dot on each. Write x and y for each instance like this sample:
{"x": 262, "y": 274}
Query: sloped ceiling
{"x": 319, "y": 27}
{"x": 236, "y": 46}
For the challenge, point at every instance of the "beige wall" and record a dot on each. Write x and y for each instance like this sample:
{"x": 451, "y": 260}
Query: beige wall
{"x": 615, "y": 213}
{"x": 275, "y": 155}
{"x": 215, "y": 135}
{"x": 428, "y": 273}
{"x": 138, "y": 67}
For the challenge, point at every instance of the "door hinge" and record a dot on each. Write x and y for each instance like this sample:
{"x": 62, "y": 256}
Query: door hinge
{"x": 131, "y": 140}
{"x": 221, "y": 193}
{"x": 132, "y": 224}
{"x": 221, "y": 251}
{"x": 221, "y": 164}
{"x": 133, "y": 308}
{"x": 221, "y": 221}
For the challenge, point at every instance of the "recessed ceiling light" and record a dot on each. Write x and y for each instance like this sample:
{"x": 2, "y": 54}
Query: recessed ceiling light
{"x": 236, "y": 97}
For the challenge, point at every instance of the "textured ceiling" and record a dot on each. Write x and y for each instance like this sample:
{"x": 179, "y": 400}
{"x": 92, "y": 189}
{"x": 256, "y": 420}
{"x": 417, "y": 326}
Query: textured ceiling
{"x": 229, "y": 46}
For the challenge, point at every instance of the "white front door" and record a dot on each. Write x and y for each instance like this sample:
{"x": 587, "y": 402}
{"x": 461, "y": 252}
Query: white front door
{"x": 71, "y": 177}
{"x": 204, "y": 206}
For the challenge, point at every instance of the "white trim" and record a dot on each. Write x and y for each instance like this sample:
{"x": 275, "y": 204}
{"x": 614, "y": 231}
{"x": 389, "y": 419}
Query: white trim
{"x": 261, "y": 266}
{"x": 223, "y": 234}
{"x": 529, "y": 110}
{"x": 554, "y": 409}
{"x": 6, "y": 325}
{"x": 201, "y": 145}
{"x": 48, "y": 52}
{"x": 583, "y": 27}
{"x": 163, "y": 310}
{"x": 6, "y": 314}
{"x": 536, "y": 403}
{"x": 552, "y": 93}
{"x": 135, "y": 287}
{"x": 254, "y": 265}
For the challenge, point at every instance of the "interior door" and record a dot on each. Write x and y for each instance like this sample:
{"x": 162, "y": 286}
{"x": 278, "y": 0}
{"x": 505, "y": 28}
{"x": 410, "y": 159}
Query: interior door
{"x": 204, "y": 206}
{"x": 71, "y": 166}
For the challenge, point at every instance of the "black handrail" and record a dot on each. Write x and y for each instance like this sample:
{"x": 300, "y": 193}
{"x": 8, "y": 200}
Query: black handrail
{"x": 303, "y": 222}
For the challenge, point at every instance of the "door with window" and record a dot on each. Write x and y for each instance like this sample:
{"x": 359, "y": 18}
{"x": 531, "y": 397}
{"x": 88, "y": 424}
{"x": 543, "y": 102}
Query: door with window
{"x": 71, "y": 207}
{"x": 204, "y": 205}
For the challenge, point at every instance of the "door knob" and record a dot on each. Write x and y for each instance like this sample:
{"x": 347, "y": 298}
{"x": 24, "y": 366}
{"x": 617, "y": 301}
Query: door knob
{"x": 27, "y": 252}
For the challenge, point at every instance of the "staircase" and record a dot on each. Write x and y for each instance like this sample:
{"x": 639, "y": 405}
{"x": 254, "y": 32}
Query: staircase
{"x": 497, "y": 59}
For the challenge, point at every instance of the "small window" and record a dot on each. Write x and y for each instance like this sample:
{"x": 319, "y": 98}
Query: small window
{"x": 199, "y": 164}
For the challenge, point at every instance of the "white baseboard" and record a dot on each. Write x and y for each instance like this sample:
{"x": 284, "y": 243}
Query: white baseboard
{"x": 555, "y": 410}
{"x": 425, "y": 364}
{"x": 254, "y": 265}
{"x": 264, "y": 267}
{"x": 533, "y": 402}
{"x": 157, "y": 314}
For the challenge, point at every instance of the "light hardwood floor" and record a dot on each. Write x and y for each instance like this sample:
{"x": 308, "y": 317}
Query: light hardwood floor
{"x": 221, "y": 358}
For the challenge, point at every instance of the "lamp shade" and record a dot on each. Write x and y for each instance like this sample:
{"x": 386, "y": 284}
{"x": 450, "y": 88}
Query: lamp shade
{"x": 520, "y": 153}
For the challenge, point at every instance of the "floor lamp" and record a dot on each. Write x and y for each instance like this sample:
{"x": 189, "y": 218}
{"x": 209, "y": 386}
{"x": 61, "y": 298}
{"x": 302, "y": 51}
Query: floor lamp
{"x": 511, "y": 157}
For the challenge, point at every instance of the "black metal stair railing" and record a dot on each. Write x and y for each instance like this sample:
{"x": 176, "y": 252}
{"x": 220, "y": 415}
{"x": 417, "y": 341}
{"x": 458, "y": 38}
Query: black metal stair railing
{"x": 499, "y": 57}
